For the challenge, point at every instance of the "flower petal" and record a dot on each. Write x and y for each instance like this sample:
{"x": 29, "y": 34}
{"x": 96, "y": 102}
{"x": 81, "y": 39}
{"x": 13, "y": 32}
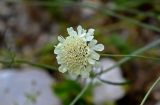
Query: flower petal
{"x": 71, "y": 31}
{"x": 89, "y": 68}
{"x": 95, "y": 55}
{"x": 84, "y": 74}
{"x": 56, "y": 50}
{"x": 90, "y": 32}
{"x": 62, "y": 69}
{"x": 92, "y": 43}
{"x": 59, "y": 61}
{"x": 76, "y": 72}
{"x": 83, "y": 34}
{"x": 79, "y": 30}
{"x": 61, "y": 39}
{"x": 72, "y": 74}
{"x": 84, "y": 31}
{"x": 91, "y": 61}
{"x": 99, "y": 47}
{"x": 89, "y": 38}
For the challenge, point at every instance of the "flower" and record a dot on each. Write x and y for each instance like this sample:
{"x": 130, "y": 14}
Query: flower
{"x": 77, "y": 52}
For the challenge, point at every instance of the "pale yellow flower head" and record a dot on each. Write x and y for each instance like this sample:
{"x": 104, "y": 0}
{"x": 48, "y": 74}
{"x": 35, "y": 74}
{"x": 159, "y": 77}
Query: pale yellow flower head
{"x": 77, "y": 52}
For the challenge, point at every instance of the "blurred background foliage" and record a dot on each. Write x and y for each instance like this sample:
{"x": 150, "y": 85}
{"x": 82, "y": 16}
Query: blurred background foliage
{"x": 29, "y": 30}
{"x": 68, "y": 90}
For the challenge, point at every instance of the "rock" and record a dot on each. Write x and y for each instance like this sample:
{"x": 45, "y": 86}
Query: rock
{"x": 158, "y": 103}
{"x": 105, "y": 92}
{"x": 26, "y": 87}
{"x": 4, "y": 10}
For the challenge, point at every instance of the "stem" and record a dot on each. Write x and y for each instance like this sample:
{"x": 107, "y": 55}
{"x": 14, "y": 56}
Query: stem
{"x": 139, "y": 51}
{"x": 149, "y": 91}
{"x": 115, "y": 83}
{"x": 138, "y": 56}
{"x": 81, "y": 93}
{"x": 30, "y": 63}
{"x": 36, "y": 64}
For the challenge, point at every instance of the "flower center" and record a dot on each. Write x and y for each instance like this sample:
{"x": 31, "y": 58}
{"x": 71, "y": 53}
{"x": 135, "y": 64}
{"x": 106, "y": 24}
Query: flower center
{"x": 75, "y": 53}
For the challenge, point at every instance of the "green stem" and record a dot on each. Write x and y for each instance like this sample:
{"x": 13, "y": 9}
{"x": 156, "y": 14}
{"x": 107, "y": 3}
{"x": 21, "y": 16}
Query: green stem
{"x": 139, "y": 51}
{"x": 115, "y": 83}
{"x": 81, "y": 93}
{"x": 149, "y": 91}
{"x": 36, "y": 64}
{"x": 19, "y": 61}
{"x": 138, "y": 56}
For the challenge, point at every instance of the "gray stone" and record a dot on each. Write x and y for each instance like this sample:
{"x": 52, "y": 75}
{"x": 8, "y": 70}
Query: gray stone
{"x": 26, "y": 87}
